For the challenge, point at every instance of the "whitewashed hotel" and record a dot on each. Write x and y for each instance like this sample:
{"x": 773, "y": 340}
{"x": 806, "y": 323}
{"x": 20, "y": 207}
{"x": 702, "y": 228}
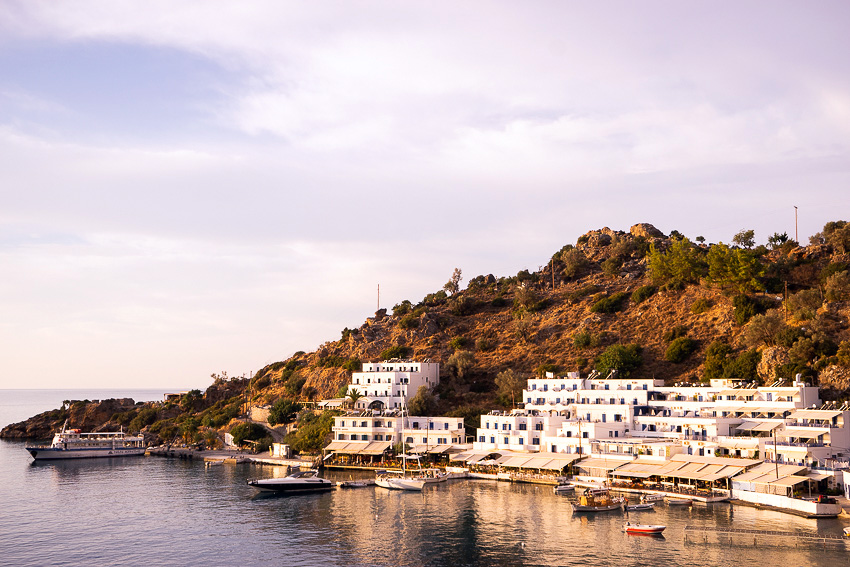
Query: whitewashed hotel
{"x": 389, "y": 384}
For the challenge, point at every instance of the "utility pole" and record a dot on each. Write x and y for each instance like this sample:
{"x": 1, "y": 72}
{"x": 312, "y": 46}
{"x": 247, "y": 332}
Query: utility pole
{"x": 796, "y": 235}
{"x": 379, "y": 298}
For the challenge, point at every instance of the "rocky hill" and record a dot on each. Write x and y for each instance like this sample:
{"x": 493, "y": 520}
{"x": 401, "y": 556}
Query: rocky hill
{"x": 638, "y": 302}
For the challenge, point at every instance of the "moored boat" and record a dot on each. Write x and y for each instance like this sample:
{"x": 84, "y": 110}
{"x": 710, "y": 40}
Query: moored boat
{"x": 641, "y": 506}
{"x": 297, "y": 483}
{"x": 652, "y": 498}
{"x": 73, "y": 444}
{"x": 397, "y": 479}
{"x": 596, "y": 500}
{"x": 564, "y": 487}
{"x": 645, "y": 529}
{"x": 679, "y": 501}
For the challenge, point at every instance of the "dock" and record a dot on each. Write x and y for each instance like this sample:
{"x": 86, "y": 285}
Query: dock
{"x": 701, "y": 532}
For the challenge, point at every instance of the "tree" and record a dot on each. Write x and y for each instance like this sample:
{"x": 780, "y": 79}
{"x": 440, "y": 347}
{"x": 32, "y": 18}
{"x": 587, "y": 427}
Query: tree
{"x": 745, "y": 239}
{"x": 680, "y": 263}
{"x": 510, "y": 386}
{"x": 353, "y": 395}
{"x": 453, "y": 285}
{"x": 777, "y": 240}
{"x": 283, "y": 411}
{"x": 460, "y": 362}
{"x": 622, "y": 358}
{"x": 575, "y": 263}
{"x": 763, "y": 329}
{"x": 838, "y": 286}
{"x": 423, "y": 403}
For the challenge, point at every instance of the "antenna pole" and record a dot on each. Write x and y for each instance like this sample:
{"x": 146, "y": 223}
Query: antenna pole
{"x": 379, "y": 298}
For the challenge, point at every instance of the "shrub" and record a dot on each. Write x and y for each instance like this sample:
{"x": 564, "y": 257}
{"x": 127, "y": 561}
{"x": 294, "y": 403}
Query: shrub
{"x": 485, "y": 344}
{"x": 433, "y": 299}
{"x": 763, "y": 329}
{"x": 716, "y": 356}
{"x": 745, "y": 307}
{"x": 575, "y": 263}
{"x": 584, "y": 339}
{"x": 462, "y": 306}
{"x": 283, "y": 411}
{"x": 643, "y": 293}
{"x": 461, "y": 362}
{"x": 398, "y": 351}
{"x": 701, "y": 306}
{"x": 546, "y": 367}
{"x": 610, "y": 304}
{"x": 353, "y": 365}
{"x": 458, "y": 343}
{"x": 788, "y": 336}
{"x": 409, "y": 321}
{"x": 611, "y": 267}
{"x": 676, "y": 332}
{"x": 527, "y": 300}
{"x": 805, "y": 303}
{"x": 837, "y": 287}
{"x": 680, "y": 349}
{"x": 402, "y": 308}
{"x": 146, "y": 416}
{"x": 247, "y": 431}
{"x": 843, "y": 354}
{"x": 583, "y": 292}
{"x": 294, "y": 384}
{"x": 623, "y": 358}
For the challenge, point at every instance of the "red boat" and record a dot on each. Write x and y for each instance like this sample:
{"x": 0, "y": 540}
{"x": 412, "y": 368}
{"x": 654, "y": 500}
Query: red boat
{"x": 646, "y": 529}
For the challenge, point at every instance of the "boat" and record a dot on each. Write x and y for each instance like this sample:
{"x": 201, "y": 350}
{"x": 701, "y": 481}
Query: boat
{"x": 354, "y": 484}
{"x": 564, "y": 487}
{"x": 645, "y": 529}
{"x": 397, "y": 479}
{"x": 73, "y": 444}
{"x": 847, "y": 531}
{"x": 639, "y": 507}
{"x": 679, "y": 501}
{"x": 596, "y": 500}
{"x": 299, "y": 482}
{"x": 652, "y": 498}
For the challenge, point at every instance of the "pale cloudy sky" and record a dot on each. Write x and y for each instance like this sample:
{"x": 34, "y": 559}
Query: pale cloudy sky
{"x": 190, "y": 187}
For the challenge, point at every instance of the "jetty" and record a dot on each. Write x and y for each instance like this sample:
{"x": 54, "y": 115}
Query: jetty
{"x": 700, "y": 534}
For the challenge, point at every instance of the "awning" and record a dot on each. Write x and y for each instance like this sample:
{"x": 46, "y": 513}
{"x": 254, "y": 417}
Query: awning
{"x": 815, "y": 414}
{"x": 607, "y": 464}
{"x": 817, "y": 476}
{"x": 792, "y": 480}
{"x": 439, "y": 449}
{"x": 803, "y": 432}
{"x": 346, "y": 447}
{"x": 513, "y": 461}
{"x": 376, "y": 448}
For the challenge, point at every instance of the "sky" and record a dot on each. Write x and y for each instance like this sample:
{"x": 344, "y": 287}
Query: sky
{"x": 194, "y": 187}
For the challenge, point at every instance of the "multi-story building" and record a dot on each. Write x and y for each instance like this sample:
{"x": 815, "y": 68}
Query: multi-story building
{"x": 390, "y": 383}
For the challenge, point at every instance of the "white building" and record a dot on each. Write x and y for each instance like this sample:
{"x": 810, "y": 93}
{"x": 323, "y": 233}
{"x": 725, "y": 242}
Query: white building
{"x": 389, "y": 384}
{"x": 725, "y": 418}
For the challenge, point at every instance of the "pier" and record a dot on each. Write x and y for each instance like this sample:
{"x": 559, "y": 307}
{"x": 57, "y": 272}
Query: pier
{"x": 702, "y": 532}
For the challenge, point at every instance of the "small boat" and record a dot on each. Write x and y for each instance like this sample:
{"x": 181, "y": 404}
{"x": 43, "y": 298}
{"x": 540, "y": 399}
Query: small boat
{"x": 297, "y": 483}
{"x": 596, "y": 500}
{"x": 679, "y": 501}
{"x": 564, "y": 487}
{"x": 645, "y": 529}
{"x": 652, "y": 497}
{"x": 847, "y": 531}
{"x": 640, "y": 506}
{"x": 354, "y": 484}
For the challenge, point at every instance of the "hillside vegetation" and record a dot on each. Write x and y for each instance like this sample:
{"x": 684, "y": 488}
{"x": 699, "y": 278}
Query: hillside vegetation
{"x": 641, "y": 303}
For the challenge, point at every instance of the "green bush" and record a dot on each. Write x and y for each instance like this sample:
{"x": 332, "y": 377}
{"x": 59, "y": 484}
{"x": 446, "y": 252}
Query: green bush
{"x": 611, "y": 267}
{"x": 680, "y": 349}
{"x": 398, "y": 351}
{"x": 584, "y": 339}
{"x": 462, "y": 306}
{"x": 283, "y": 411}
{"x": 146, "y": 416}
{"x": 745, "y": 307}
{"x": 623, "y": 358}
{"x": 353, "y": 365}
{"x": 701, "y": 306}
{"x": 675, "y": 333}
{"x": 458, "y": 343}
{"x": 247, "y": 431}
{"x": 583, "y": 292}
{"x": 409, "y": 321}
{"x": 485, "y": 344}
{"x": 643, "y": 293}
{"x": 402, "y": 308}
{"x": 610, "y": 304}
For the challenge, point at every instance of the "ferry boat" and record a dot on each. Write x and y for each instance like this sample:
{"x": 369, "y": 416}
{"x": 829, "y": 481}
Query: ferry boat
{"x": 597, "y": 500}
{"x": 73, "y": 444}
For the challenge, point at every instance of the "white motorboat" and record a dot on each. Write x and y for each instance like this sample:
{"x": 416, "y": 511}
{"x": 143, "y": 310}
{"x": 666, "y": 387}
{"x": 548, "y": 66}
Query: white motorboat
{"x": 297, "y": 483}
{"x": 679, "y": 501}
{"x": 642, "y": 506}
{"x": 72, "y": 444}
{"x": 564, "y": 487}
{"x": 652, "y": 498}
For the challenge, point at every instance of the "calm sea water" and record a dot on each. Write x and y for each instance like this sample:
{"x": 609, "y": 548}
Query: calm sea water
{"x": 155, "y": 511}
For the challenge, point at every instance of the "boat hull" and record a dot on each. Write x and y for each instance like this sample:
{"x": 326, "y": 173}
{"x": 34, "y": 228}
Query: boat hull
{"x": 639, "y": 507}
{"x": 643, "y": 529}
{"x": 57, "y": 454}
{"x": 400, "y": 483}
{"x": 607, "y": 508}
{"x": 292, "y": 487}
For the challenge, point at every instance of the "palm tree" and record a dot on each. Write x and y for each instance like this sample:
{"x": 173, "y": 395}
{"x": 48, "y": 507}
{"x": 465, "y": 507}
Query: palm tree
{"x": 353, "y": 395}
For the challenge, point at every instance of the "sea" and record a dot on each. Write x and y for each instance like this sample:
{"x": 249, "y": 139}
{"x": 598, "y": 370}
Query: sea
{"x": 152, "y": 511}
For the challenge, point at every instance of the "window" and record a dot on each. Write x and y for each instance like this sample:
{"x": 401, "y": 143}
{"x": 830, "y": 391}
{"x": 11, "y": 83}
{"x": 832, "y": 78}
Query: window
{"x": 521, "y": 427}
{"x": 538, "y": 427}
{"x": 493, "y": 440}
{"x": 446, "y": 425}
{"x": 430, "y": 425}
{"x": 521, "y": 441}
{"x": 481, "y": 438}
{"x": 507, "y": 441}
{"x": 536, "y": 441}
{"x": 409, "y": 440}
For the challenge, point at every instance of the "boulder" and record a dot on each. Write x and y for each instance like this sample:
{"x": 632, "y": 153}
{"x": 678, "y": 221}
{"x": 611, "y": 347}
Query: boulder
{"x": 645, "y": 230}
